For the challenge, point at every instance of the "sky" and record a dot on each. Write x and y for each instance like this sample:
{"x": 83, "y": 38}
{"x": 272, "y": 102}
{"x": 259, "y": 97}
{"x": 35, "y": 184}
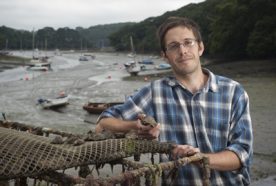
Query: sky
{"x": 37, "y": 14}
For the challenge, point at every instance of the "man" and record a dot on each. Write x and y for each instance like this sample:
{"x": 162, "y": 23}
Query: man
{"x": 200, "y": 111}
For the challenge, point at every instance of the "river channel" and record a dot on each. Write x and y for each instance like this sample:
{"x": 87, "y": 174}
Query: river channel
{"x": 98, "y": 79}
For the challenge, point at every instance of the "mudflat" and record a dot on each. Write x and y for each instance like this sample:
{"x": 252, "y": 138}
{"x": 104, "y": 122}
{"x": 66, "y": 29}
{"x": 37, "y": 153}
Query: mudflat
{"x": 102, "y": 79}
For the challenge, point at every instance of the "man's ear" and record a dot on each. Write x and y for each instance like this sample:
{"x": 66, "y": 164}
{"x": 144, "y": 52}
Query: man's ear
{"x": 200, "y": 48}
{"x": 164, "y": 56}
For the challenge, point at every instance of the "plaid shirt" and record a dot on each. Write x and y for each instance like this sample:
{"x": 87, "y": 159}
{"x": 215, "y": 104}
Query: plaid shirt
{"x": 214, "y": 119}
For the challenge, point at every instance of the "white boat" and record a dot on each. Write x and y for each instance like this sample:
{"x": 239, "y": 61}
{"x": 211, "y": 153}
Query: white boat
{"x": 89, "y": 56}
{"x": 39, "y": 67}
{"x": 146, "y": 62}
{"x": 54, "y": 102}
{"x": 133, "y": 68}
{"x": 83, "y": 58}
{"x": 44, "y": 61}
{"x": 131, "y": 55}
{"x": 163, "y": 66}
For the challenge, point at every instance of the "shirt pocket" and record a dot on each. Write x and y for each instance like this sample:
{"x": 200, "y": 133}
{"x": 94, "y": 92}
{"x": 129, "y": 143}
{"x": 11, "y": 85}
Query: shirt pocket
{"x": 218, "y": 135}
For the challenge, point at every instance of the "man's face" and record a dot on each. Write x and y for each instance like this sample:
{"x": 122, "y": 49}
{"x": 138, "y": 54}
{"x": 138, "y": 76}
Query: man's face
{"x": 183, "y": 51}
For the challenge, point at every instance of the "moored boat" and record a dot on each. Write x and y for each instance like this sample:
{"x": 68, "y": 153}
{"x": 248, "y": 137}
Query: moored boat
{"x": 60, "y": 101}
{"x": 39, "y": 67}
{"x": 83, "y": 58}
{"x": 98, "y": 107}
{"x": 132, "y": 68}
{"x": 163, "y": 66}
{"x": 146, "y": 62}
{"x": 43, "y": 61}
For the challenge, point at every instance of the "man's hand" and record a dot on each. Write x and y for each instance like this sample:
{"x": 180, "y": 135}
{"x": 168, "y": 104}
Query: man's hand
{"x": 144, "y": 127}
{"x": 99, "y": 128}
{"x": 147, "y": 131}
{"x": 183, "y": 151}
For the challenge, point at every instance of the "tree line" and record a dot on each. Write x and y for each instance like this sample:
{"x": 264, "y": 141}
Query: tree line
{"x": 230, "y": 29}
{"x": 91, "y": 38}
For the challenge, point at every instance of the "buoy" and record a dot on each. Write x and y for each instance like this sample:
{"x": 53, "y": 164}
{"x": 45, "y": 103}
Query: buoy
{"x": 62, "y": 93}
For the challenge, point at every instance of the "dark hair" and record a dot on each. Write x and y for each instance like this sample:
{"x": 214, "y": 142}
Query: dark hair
{"x": 172, "y": 22}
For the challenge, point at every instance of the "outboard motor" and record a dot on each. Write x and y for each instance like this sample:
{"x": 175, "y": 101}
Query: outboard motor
{"x": 40, "y": 100}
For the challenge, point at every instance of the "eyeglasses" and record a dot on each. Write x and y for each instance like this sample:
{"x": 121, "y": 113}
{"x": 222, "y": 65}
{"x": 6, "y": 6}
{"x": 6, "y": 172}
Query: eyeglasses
{"x": 175, "y": 46}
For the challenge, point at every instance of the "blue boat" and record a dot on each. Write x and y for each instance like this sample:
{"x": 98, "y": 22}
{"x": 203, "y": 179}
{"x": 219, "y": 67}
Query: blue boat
{"x": 163, "y": 66}
{"x": 146, "y": 62}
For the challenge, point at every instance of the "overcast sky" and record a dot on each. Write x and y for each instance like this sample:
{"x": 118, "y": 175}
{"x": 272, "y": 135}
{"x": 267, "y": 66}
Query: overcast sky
{"x": 36, "y": 14}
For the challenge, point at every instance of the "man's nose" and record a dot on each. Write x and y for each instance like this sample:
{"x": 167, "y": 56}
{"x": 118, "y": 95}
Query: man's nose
{"x": 183, "y": 48}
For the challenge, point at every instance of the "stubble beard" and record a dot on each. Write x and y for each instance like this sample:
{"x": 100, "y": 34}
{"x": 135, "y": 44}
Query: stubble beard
{"x": 183, "y": 70}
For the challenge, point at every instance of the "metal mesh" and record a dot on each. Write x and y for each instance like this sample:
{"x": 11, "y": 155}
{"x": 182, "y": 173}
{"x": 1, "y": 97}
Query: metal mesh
{"x": 23, "y": 154}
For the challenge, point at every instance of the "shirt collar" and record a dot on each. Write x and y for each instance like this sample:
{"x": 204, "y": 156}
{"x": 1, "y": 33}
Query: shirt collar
{"x": 211, "y": 85}
{"x": 171, "y": 81}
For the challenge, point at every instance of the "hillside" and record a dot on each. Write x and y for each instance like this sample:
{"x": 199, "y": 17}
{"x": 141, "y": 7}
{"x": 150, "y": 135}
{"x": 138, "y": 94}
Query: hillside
{"x": 63, "y": 38}
{"x": 231, "y": 29}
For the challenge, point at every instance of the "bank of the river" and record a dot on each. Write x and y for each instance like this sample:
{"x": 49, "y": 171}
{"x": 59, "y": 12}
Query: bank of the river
{"x": 9, "y": 62}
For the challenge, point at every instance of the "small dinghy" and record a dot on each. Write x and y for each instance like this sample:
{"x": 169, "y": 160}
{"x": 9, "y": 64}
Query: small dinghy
{"x": 48, "y": 103}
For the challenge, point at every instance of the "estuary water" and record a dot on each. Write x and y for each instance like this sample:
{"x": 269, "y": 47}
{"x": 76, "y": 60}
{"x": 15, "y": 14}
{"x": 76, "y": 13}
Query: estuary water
{"x": 98, "y": 79}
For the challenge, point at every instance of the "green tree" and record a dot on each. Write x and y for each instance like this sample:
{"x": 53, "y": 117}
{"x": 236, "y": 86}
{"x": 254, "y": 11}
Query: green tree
{"x": 67, "y": 38}
{"x": 46, "y": 38}
{"x": 262, "y": 40}
{"x": 238, "y": 25}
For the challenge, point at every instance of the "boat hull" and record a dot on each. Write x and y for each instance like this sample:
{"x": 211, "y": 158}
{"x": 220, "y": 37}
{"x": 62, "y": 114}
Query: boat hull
{"x": 55, "y": 103}
{"x": 98, "y": 108}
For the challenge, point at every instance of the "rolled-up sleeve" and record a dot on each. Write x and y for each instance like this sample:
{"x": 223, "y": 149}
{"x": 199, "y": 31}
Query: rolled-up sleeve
{"x": 138, "y": 103}
{"x": 241, "y": 134}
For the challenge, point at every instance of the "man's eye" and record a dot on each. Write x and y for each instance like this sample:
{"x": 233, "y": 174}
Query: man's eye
{"x": 173, "y": 46}
{"x": 188, "y": 42}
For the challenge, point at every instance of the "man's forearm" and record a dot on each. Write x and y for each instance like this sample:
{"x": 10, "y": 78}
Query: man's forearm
{"x": 224, "y": 161}
{"x": 116, "y": 125}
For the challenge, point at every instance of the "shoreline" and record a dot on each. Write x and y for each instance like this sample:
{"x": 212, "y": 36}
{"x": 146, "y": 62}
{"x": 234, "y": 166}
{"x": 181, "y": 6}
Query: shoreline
{"x": 235, "y": 69}
{"x": 10, "y": 62}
